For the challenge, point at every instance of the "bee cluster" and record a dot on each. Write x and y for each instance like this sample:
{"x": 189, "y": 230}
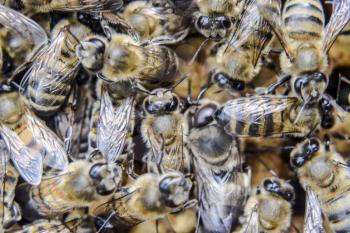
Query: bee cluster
{"x": 210, "y": 116}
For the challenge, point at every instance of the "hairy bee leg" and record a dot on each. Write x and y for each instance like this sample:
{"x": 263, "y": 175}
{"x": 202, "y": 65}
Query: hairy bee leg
{"x": 272, "y": 88}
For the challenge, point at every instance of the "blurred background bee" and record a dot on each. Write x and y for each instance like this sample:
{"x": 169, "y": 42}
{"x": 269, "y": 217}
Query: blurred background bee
{"x": 223, "y": 183}
{"x": 29, "y": 141}
{"x": 149, "y": 197}
{"x": 324, "y": 172}
{"x": 214, "y": 19}
{"x": 157, "y": 20}
{"x": 306, "y": 42}
{"x": 10, "y": 212}
{"x": 269, "y": 209}
{"x": 83, "y": 185}
{"x": 20, "y": 37}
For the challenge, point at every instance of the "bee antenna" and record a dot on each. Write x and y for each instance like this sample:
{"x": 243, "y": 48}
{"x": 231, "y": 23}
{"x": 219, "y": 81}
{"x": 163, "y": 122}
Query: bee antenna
{"x": 301, "y": 110}
{"x": 197, "y": 52}
{"x": 105, "y": 222}
{"x": 312, "y": 130}
{"x": 178, "y": 83}
{"x": 141, "y": 89}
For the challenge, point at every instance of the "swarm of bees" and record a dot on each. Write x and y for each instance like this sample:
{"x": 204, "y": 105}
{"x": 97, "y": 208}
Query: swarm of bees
{"x": 206, "y": 116}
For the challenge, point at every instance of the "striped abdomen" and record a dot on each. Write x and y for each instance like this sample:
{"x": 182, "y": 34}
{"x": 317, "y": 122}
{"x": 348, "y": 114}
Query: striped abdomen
{"x": 337, "y": 210}
{"x": 304, "y": 19}
{"x": 53, "y": 226}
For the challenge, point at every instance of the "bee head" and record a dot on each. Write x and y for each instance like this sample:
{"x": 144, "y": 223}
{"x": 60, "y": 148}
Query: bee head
{"x": 213, "y": 27}
{"x": 304, "y": 152}
{"x": 279, "y": 187}
{"x": 204, "y": 115}
{"x": 161, "y": 101}
{"x": 175, "y": 188}
{"x": 224, "y": 81}
{"x": 311, "y": 86}
{"x": 106, "y": 177}
{"x": 90, "y": 53}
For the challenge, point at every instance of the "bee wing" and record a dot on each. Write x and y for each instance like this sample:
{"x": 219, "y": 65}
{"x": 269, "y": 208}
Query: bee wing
{"x": 271, "y": 11}
{"x": 340, "y": 17}
{"x": 22, "y": 25}
{"x": 113, "y": 126}
{"x": 47, "y": 60}
{"x": 313, "y": 222}
{"x": 55, "y": 156}
{"x": 28, "y": 162}
{"x": 90, "y": 6}
{"x": 252, "y": 23}
{"x": 252, "y": 225}
{"x": 253, "y": 110}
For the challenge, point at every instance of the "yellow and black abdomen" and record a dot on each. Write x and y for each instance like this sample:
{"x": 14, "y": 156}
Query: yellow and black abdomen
{"x": 304, "y": 19}
{"x": 48, "y": 93}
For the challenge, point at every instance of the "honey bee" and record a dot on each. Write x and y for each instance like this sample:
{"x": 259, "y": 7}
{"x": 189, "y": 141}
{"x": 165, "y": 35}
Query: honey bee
{"x": 124, "y": 59}
{"x": 43, "y": 6}
{"x": 223, "y": 186}
{"x": 29, "y": 141}
{"x": 84, "y": 184}
{"x": 67, "y": 225}
{"x": 306, "y": 42}
{"x": 164, "y": 130}
{"x": 323, "y": 171}
{"x": 9, "y": 210}
{"x": 156, "y": 19}
{"x": 149, "y": 197}
{"x": 215, "y": 18}
{"x": 267, "y": 116}
{"x": 114, "y": 125}
{"x": 20, "y": 37}
{"x": 270, "y": 208}
{"x": 238, "y": 61}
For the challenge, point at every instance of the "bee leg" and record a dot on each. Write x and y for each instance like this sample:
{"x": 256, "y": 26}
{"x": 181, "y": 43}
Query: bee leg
{"x": 157, "y": 225}
{"x": 272, "y": 88}
{"x": 130, "y": 170}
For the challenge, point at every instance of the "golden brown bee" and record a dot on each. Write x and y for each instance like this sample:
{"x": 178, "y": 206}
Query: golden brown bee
{"x": 30, "y": 142}
{"x": 322, "y": 171}
{"x": 43, "y": 6}
{"x": 215, "y": 17}
{"x": 306, "y": 41}
{"x": 223, "y": 185}
{"x": 270, "y": 208}
{"x": 149, "y": 197}
{"x": 239, "y": 60}
{"x": 68, "y": 224}
{"x": 267, "y": 116}
{"x": 164, "y": 129}
{"x": 47, "y": 83}
{"x": 155, "y": 19}
{"x": 9, "y": 210}
{"x": 124, "y": 59}
{"x": 83, "y": 185}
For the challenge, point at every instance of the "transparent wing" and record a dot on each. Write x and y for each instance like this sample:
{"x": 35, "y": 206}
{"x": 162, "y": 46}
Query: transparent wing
{"x": 113, "y": 126}
{"x": 49, "y": 70}
{"x": 253, "y": 32}
{"x": 27, "y": 161}
{"x": 313, "y": 222}
{"x": 252, "y": 225}
{"x": 22, "y": 25}
{"x": 91, "y": 6}
{"x": 252, "y": 110}
{"x": 271, "y": 11}
{"x": 340, "y": 17}
{"x": 55, "y": 156}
